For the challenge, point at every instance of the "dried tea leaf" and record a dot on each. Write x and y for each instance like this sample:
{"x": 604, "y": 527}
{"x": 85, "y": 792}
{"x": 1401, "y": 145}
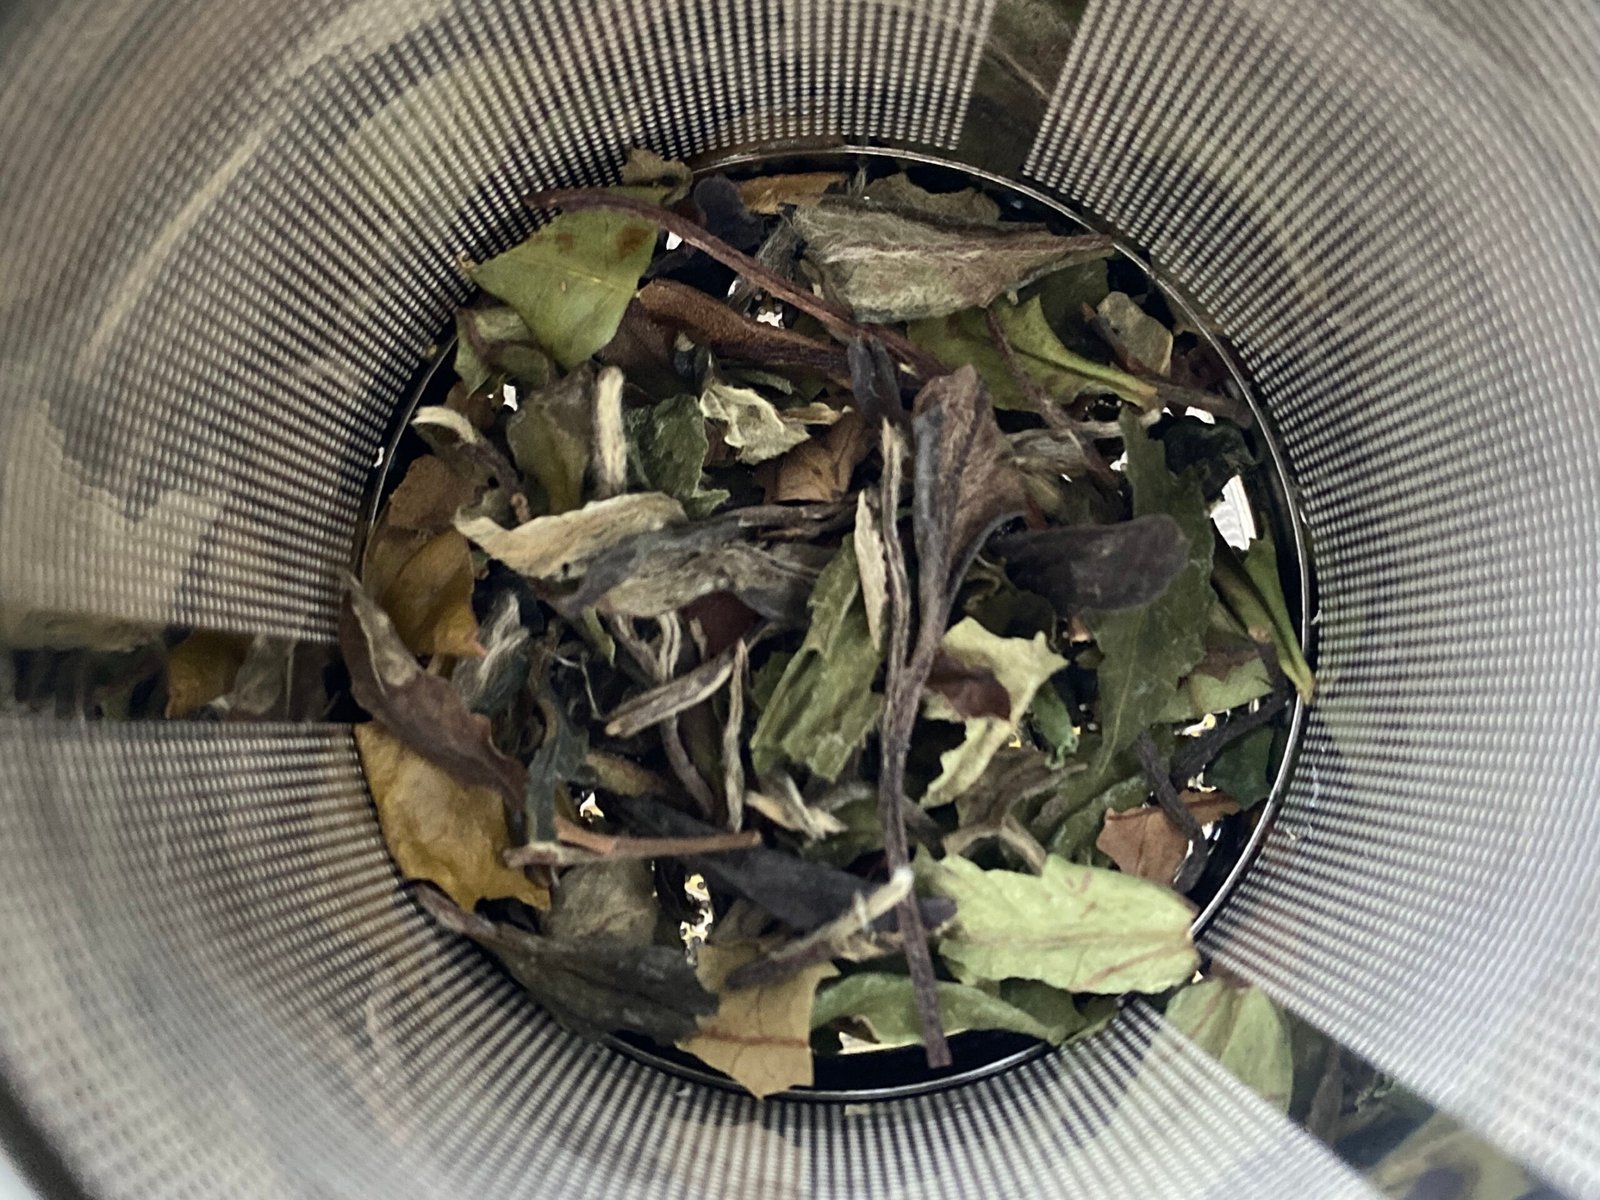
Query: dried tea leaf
{"x": 769, "y": 194}
{"x": 890, "y": 266}
{"x": 1051, "y": 722}
{"x": 965, "y": 205}
{"x": 737, "y": 337}
{"x": 200, "y": 669}
{"x": 1082, "y": 929}
{"x": 1077, "y": 1017}
{"x": 823, "y": 707}
{"x": 760, "y": 1036}
{"x": 489, "y": 684}
{"x": 428, "y": 497}
{"x": 780, "y": 801}
{"x": 646, "y": 168}
{"x": 610, "y": 436}
{"x": 1080, "y": 816}
{"x": 595, "y": 986}
{"x": 667, "y": 700}
{"x": 558, "y": 547}
{"x": 1244, "y": 1031}
{"x": 550, "y": 436}
{"x": 492, "y": 342}
{"x": 1106, "y": 567}
{"x": 963, "y": 484}
{"x": 1144, "y": 842}
{"x": 669, "y": 445}
{"x": 1244, "y": 770}
{"x": 857, "y": 935}
{"x": 1251, "y": 588}
{"x": 438, "y": 829}
{"x": 430, "y": 599}
{"x": 422, "y": 710}
{"x": 1146, "y": 650}
{"x": 754, "y": 426}
{"x": 803, "y": 895}
{"x": 884, "y": 1007}
{"x": 572, "y": 280}
{"x": 871, "y": 567}
{"x": 1230, "y": 674}
{"x": 656, "y": 573}
{"x": 1144, "y": 338}
{"x": 613, "y": 899}
{"x": 819, "y": 468}
{"x": 1018, "y": 666}
{"x": 1058, "y": 372}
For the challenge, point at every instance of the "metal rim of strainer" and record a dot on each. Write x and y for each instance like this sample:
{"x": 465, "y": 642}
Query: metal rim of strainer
{"x": 1285, "y": 509}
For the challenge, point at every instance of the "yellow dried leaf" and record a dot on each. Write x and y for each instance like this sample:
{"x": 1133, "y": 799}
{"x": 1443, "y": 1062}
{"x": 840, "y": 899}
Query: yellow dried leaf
{"x": 430, "y": 599}
{"x": 438, "y": 830}
{"x": 760, "y": 1036}
{"x": 1143, "y": 842}
{"x": 202, "y": 667}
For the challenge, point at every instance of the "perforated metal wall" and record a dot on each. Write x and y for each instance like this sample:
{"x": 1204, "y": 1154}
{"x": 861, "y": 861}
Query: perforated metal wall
{"x": 229, "y": 233}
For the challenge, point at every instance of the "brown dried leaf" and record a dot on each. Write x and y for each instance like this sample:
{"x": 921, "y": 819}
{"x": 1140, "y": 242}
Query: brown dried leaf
{"x": 428, "y": 497}
{"x": 963, "y": 483}
{"x": 1143, "y": 842}
{"x": 437, "y": 829}
{"x": 768, "y": 194}
{"x": 202, "y": 667}
{"x": 820, "y": 469}
{"x": 430, "y": 599}
{"x": 760, "y": 1036}
{"x": 970, "y": 689}
{"x": 424, "y": 711}
{"x": 1101, "y": 567}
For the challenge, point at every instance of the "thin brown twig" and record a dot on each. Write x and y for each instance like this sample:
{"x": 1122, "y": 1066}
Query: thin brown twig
{"x": 608, "y": 845}
{"x": 1157, "y": 773}
{"x": 835, "y": 319}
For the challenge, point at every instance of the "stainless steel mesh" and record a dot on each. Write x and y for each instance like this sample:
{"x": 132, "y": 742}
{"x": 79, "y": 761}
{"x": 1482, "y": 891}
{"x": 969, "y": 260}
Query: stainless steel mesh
{"x": 229, "y": 232}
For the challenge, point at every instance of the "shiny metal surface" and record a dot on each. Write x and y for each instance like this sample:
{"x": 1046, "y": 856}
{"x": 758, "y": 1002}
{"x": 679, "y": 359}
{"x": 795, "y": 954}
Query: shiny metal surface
{"x": 229, "y": 233}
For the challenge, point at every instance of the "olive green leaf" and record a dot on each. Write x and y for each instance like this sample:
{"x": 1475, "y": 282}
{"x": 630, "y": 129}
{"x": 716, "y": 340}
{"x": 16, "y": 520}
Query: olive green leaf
{"x": 667, "y": 452}
{"x": 967, "y": 205}
{"x": 824, "y": 707}
{"x": 1251, "y": 588}
{"x": 492, "y": 342}
{"x": 1146, "y": 650}
{"x": 550, "y": 436}
{"x": 571, "y": 281}
{"x": 1244, "y": 769}
{"x": 884, "y": 1007}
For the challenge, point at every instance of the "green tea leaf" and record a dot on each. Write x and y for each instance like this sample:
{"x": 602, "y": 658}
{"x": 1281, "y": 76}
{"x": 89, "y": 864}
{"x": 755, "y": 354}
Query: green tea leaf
{"x": 557, "y": 547}
{"x": 1245, "y": 768}
{"x": 889, "y": 266}
{"x": 571, "y": 281}
{"x": 614, "y": 899}
{"x": 1019, "y": 666}
{"x": 1083, "y": 929}
{"x": 494, "y": 342}
{"x": 823, "y": 707}
{"x": 550, "y": 436}
{"x": 1147, "y": 650}
{"x": 967, "y": 205}
{"x": 1144, "y": 337}
{"x": 1231, "y": 673}
{"x": 1059, "y": 372}
{"x": 1084, "y": 816}
{"x": 1252, "y": 590}
{"x": 668, "y": 446}
{"x": 1062, "y": 297}
{"x": 1077, "y": 1017}
{"x": 1052, "y": 723}
{"x": 1242, "y": 1030}
{"x": 887, "y": 1007}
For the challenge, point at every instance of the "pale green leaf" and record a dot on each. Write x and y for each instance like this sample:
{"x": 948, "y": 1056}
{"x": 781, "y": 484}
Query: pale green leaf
{"x": 550, "y": 436}
{"x": 1245, "y": 768}
{"x": 558, "y": 547}
{"x": 1084, "y": 815}
{"x": 823, "y": 708}
{"x": 1074, "y": 1017}
{"x": 886, "y": 1005}
{"x": 964, "y": 204}
{"x": 754, "y": 426}
{"x": 572, "y": 280}
{"x": 494, "y": 342}
{"x": 1083, "y": 929}
{"x": 1020, "y": 665}
{"x": 1252, "y": 589}
{"x": 1146, "y": 650}
{"x": 667, "y": 448}
{"x": 1242, "y": 1030}
{"x": 1052, "y": 723}
{"x": 1144, "y": 337}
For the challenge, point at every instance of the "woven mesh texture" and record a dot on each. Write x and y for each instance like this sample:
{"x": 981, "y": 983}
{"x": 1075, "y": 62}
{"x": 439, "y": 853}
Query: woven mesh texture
{"x": 229, "y": 233}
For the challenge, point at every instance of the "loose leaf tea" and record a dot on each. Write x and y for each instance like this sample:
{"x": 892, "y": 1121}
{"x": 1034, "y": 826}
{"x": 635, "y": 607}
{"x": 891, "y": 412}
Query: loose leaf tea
{"x": 770, "y": 647}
